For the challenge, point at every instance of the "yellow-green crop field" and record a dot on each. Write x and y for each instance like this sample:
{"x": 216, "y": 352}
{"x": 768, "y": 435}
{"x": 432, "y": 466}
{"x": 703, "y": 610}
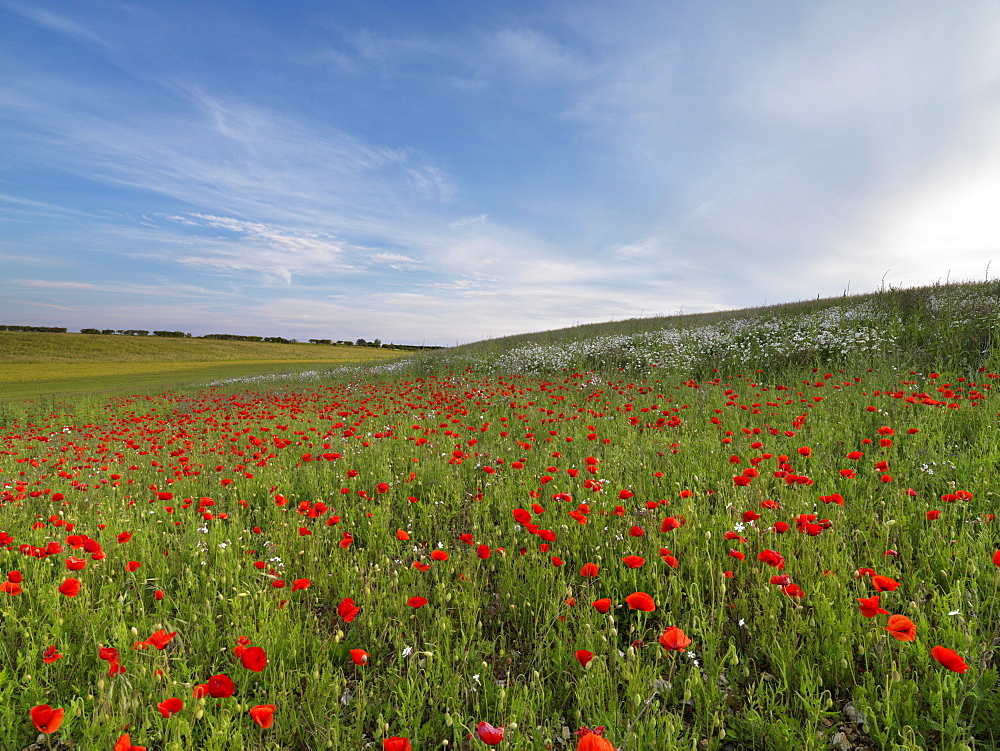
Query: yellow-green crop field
{"x": 62, "y": 365}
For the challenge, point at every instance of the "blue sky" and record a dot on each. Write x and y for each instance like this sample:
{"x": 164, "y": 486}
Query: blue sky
{"x": 440, "y": 172}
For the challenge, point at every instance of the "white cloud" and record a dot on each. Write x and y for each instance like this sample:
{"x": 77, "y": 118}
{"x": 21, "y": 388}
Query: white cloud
{"x": 650, "y": 247}
{"x": 538, "y": 57}
{"x": 58, "y": 23}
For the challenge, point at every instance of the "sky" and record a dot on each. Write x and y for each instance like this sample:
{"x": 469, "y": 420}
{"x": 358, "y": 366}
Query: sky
{"x": 441, "y": 172}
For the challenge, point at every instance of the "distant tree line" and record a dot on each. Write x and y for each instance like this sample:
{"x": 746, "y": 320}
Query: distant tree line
{"x": 37, "y": 329}
{"x": 231, "y": 337}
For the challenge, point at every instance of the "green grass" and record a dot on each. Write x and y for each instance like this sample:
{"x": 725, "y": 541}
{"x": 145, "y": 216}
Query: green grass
{"x": 448, "y": 457}
{"x": 21, "y": 347}
{"x": 66, "y": 366}
{"x": 73, "y": 380}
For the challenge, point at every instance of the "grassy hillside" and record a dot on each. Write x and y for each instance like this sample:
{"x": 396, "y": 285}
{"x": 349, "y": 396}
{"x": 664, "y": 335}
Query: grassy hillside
{"x": 20, "y": 347}
{"x": 940, "y": 326}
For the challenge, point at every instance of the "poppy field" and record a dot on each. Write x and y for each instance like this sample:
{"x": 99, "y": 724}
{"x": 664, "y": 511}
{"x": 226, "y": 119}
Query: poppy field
{"x": 803, "y": 559}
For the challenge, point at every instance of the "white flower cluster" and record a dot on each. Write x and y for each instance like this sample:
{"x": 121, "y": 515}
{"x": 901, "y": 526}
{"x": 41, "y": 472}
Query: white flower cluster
{"x": 823, "y": 336}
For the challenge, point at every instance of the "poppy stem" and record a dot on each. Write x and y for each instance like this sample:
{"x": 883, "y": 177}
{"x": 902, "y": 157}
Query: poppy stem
{"x": 984, "y": 658}
{"x": 642, "y": 710}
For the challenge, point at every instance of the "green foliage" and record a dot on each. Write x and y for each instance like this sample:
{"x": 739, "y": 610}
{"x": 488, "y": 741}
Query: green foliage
{"x": 286, "y": 475}
{"x": 942, "y": 326}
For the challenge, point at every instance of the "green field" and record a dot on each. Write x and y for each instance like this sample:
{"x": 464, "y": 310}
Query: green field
{"x": 21, "y": 347}
{"x": 767, "y": 531}
{"x": 36, "y": 365}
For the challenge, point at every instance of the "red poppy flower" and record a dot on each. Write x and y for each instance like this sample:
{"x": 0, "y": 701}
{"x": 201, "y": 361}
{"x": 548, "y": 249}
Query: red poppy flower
{"x": 884, "y": 583}
{"x": 300, "y": 584}
{"x": 674, "y": 639}
{"x": 47, "y": 719}
{"x": 592, "y": 741}
{"x": 170, "y": 707}
{"x": 633, "y": 561}
{"x": 401, "y": 534}
{"x": 602, "y": 606}
{"x": 772, "y": 558}
{"x": 347, "y": 609}
{"x": 416, "y": 602}
{"x": 668, "y": 524}
{"x": 641, "y": 601}
{"x": 934, "y": 515}
{"x": 589, "y": 570}
{"x": 359, "y": 656}
{"x": 75, "y": 564}
{"x": 584, "y": 657}
{"x": 10, "y": 588}
{"x": 949, "y": 658}
{"x": 870, "y": 608}
{"x": 124, "y": 537}
{"x": 70, "y": 587}
{"x": 50, "y": 655}
{"x": 160, "y": 639}
{"x": 132, "y": 566}
{"x": 902, "y": 628}
{"x": 488, "y": 734}
{"x": 200, "y": 691}
{"x": 439, "y": 555}
{"x": 263, "y": 715}
{"x": 124, "y": 743}
{"x": 521, "y": 516}
{"x": 793, "y": 590}
{"x": 254, "y": 658}
{"x": 220, "y": 687}
{"x": 483, "y": 552}
{"x": 396, "y": 744}
{"x": 996, "y": 558}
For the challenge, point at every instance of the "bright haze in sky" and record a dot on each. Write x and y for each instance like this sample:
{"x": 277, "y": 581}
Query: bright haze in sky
{"x": 440, "y": 172}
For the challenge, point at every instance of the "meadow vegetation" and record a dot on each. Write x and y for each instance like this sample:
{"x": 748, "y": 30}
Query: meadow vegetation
{"x": 24, "y": 347}
{"x": 765, "y": 529}
{"x": 53, "y": 366}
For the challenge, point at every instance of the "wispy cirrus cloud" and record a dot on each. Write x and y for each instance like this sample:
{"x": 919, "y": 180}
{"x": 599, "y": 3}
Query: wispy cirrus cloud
{"x": 56, "y": 22}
